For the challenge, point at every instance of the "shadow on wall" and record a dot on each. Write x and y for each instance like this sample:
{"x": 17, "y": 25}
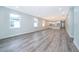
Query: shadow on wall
{"x": 71, "y": 24}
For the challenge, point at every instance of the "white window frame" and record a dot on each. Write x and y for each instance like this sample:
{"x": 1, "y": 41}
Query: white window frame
{"x": 14, "y": 21}
{"x": 35, "y": 22}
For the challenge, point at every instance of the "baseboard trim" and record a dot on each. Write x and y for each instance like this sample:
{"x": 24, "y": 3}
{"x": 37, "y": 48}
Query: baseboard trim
{"x": 69, "y": 34}
{"x": 25, "y": 33}
{"x": 72, "y": 40}
{"x": 76, "y": 45}
{"x": 71, "y": 37}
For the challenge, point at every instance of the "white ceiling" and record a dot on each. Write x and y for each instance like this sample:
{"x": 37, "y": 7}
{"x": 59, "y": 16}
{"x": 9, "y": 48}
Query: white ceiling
{"x": 46, "y": 12}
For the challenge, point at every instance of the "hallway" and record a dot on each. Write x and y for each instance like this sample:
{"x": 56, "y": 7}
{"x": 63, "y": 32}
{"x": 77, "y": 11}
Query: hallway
{"x": 48, "y": 40}
{"x": 26, "y": 29}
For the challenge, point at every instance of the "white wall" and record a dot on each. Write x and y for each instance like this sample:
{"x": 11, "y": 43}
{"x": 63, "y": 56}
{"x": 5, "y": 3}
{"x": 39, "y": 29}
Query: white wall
{"x": 27, "y": 22}
{"x": 76, "y": 26}
{"x": 72, "y": 25}
{"x": 69, "y": 22}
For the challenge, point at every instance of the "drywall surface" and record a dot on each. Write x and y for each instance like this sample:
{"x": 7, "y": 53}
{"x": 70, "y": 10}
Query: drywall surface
{"x": 69, "y": 22}
{"x": 76, "y": 26}
{"x": 72, "y": 24}
{"x": 26, "y": 23}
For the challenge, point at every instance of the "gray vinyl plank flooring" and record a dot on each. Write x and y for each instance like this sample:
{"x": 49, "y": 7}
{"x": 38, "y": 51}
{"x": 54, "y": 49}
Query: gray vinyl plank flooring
{"x": 49, "y": 40}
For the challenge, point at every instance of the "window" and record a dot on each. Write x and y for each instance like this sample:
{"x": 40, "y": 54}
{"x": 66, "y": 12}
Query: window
{"x": 35, "y": 22}
{"x": 14, "y": 21}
